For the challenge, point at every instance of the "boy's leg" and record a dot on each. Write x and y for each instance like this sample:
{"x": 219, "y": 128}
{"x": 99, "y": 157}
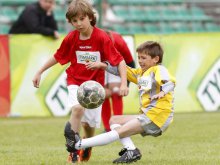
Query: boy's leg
{"x": 106, "y": 114}
{"x": 73, "y": 126}
{"x": 130, "y": 128}
{"x": 90, "y": 120}
{"x": 117, "y": 104}
{"x": 75, "y": 117}
{"x": 85, "y": 154}
{"x": 127, "y": 142}
{"x": 117, "y": 100}
{"x": 129, "y": 153}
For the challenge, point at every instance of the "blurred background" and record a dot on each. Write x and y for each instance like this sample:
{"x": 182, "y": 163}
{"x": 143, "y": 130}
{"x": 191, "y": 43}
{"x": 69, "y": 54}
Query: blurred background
{"x": 189, "y": 32}
{"x": 136, "y": 16}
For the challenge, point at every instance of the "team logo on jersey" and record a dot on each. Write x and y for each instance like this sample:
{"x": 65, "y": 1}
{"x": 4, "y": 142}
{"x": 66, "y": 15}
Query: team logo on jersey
{"x": 85, "y": 56}
{"x": 209, "y": 90}
{"x": 145, "y": 83}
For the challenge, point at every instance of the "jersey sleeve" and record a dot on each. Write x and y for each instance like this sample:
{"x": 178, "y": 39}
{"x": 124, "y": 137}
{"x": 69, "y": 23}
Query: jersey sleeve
{"x": 62, "y": 54}
{"x": 131, "y": 74}
{"x": 122, "y": 47}
{"x": 165, "y": 79}
{"x": 110, "y": 53}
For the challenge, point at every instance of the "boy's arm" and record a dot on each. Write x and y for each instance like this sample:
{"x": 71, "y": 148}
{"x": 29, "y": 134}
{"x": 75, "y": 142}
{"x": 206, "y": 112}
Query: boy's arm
{"x": 123, "y": 74}
{"x": 165, "y": 88}
{"x": 103, "y": 65}
{"x": 36, "y": 80}
{"x": 116, "y": 70}
{"x": 168, "y": 87}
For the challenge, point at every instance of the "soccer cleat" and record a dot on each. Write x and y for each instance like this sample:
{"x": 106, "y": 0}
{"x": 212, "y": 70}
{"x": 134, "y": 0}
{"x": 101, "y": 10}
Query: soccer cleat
{"x": 73, "y": 157}
{"x": 71, "y": 138}
{"x": 84, "y": 154}
{"x": 129, "y": 156}
{"x": 122, "y": 151}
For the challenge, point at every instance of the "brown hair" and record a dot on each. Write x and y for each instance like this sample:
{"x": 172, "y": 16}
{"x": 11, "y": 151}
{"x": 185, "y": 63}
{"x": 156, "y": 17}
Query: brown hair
{"x": 151, "y": 48}
{"x": 83, "y": 7}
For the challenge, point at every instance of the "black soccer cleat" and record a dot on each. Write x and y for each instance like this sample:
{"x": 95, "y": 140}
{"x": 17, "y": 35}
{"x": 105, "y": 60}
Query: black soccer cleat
{"x": 128, "y": 156}
{"x": 122, "y": 151}
{"x": 71, "y": 138}
{"x": 73, "y": 157}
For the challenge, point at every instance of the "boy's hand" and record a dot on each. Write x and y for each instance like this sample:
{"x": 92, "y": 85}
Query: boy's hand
{"x": 36, "y": 80}
{"x": 158, "y": 96}
{"x": 95, "y": 65}
{"x": 56, "y": 35}
{"x": 123, "y": 91}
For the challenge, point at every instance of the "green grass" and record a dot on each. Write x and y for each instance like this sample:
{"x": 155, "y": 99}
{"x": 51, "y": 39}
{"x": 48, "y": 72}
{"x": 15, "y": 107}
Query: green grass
{"x": 192, "y": 139}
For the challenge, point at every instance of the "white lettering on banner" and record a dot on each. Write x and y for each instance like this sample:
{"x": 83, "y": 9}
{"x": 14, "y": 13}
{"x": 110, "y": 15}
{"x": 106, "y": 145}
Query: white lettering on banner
{"x": 85, "y": 56}
{"x": 209, "y": 90}
{"x": 56, "y": 98}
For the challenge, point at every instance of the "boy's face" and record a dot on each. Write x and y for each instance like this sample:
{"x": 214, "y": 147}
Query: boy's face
{"x": 146, "y": 61}
{"x": 81, "y": 23}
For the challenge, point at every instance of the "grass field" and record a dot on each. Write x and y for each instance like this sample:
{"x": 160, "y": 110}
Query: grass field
{"x": 192, "y": 139}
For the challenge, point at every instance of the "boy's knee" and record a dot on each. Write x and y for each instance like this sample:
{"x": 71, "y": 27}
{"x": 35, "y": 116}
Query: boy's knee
{"x": 113, "y": 120}
{"x": 85, "y": 125}
{"x": 77, "y": 110}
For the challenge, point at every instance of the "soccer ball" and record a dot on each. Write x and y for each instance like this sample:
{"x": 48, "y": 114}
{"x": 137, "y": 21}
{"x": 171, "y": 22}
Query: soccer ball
{"x": 90, "y": 94}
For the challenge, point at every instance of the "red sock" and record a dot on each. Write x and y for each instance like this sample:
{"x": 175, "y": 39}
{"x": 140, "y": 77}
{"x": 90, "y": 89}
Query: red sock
{"x": 106, "y": 114}
{"x": 117, "y": 104}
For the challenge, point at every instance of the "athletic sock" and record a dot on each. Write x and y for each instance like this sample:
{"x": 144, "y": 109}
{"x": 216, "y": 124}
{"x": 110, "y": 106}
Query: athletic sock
{"x": 106, "y": 114}
{"x": 126, "y": 142}
{"x": 117, "y": 104}
{"x": 98, "y": 140}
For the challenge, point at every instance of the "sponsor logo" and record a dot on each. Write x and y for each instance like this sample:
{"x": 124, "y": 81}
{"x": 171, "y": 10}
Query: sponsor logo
{"x": 209, "y": 90}
{"x": 144, "y": 83}
{"x": 86, "y": 56}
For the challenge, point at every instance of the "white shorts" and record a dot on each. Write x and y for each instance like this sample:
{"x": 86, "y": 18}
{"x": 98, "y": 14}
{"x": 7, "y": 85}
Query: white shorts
{"x": 91, "y": 116}
{"x": 110, "y": 78}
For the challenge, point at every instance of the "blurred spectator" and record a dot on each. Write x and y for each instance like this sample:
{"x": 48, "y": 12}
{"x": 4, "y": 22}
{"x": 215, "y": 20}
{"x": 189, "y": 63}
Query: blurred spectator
{"x": 37, "y": 18}
{"x": 109, "y": 16}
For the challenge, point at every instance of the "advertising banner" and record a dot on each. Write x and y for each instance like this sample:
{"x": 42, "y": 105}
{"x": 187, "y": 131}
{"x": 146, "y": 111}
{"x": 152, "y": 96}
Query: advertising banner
{"x": 28, "y": 54}
{"x": 4, "y": 77}
{"x": 194, "y": 59}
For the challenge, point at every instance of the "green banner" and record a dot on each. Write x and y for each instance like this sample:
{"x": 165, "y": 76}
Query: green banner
{"x": 27, "y": 54}
{"x": 194, "y": 59}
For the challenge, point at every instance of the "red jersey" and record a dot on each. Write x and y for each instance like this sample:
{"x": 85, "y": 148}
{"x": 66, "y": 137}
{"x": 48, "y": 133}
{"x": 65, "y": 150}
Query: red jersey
{"x": 98, "y": 47}
{"x": 122, "y": 47}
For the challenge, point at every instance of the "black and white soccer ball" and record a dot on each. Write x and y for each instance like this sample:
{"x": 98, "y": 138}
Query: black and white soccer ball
{"x": 90, "y": 94}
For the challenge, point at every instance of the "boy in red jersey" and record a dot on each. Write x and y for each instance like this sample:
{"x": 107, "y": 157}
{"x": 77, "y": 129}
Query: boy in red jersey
{"x": 85, "y": 43}
{"x": 113, "y": 82}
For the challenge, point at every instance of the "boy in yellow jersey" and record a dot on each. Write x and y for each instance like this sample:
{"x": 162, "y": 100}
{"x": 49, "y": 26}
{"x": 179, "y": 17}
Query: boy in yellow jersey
{"x": 156, "y": 87}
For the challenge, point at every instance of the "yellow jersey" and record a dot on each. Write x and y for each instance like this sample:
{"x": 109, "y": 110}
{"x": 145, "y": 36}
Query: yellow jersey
{"x": 151, "y": 82}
